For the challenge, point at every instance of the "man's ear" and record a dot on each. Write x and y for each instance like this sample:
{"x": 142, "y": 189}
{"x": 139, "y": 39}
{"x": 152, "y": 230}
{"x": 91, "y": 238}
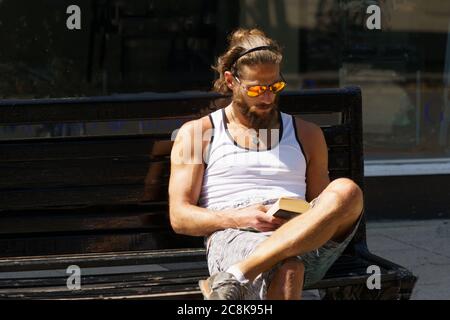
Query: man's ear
{"x": 229, "y": 79}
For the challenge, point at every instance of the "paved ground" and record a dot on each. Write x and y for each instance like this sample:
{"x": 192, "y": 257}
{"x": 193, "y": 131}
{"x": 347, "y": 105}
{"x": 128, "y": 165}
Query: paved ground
{"x": 421, "y": 246}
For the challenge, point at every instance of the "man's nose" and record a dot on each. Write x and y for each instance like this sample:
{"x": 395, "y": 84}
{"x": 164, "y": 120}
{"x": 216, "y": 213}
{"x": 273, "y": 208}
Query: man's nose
{"x": 267, "y": 97}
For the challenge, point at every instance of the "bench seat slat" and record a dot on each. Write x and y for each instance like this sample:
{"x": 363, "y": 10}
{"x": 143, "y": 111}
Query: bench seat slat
{"x": 95, "y": 259}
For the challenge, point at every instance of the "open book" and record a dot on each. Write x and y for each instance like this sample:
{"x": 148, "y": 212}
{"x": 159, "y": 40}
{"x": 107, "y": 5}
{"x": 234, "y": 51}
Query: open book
{"x": 288, "y": 208}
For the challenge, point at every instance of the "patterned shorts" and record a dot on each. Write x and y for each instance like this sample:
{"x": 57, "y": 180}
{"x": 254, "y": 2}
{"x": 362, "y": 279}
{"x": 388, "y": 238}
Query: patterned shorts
{"x": 228, "y": 247}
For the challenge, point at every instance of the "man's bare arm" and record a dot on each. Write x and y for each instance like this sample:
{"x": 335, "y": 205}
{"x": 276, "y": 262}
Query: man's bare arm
{"x": 185, "y": 183}
{"x": 316, "y": 150}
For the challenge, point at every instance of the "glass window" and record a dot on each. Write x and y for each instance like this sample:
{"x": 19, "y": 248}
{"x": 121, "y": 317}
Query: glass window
{"x": 167, "y": 46}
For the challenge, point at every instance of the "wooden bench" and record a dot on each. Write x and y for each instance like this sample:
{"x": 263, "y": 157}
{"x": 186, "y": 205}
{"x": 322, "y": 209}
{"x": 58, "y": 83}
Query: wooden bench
{"x": 96, "y": 197}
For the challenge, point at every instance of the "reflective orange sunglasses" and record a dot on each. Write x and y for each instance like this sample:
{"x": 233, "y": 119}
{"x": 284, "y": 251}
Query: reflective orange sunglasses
{"x": 257, "y": 90}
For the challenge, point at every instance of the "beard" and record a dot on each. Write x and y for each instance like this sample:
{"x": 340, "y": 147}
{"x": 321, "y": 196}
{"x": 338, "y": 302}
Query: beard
{"x": 257, "y": 119}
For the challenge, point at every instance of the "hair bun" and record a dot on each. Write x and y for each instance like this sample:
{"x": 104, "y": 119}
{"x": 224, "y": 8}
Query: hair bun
{"x": 238, "y": 36}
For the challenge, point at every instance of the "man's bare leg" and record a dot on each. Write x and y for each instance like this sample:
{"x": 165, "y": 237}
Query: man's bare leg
{"x": 333, "y": 217}
{"x": 287, "y": 283}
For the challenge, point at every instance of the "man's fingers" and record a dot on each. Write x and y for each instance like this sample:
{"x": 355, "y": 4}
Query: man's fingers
{"x": 262, "y": 208}
{"x": 278, "y": 221}
{"x": 272, "y": 220}
{"x": 267, "y": 227}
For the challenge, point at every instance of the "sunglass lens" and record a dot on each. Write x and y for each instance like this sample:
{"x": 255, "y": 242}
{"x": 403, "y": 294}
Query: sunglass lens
{"x": 255, "y": 91}
{"x": 278, "y": 86}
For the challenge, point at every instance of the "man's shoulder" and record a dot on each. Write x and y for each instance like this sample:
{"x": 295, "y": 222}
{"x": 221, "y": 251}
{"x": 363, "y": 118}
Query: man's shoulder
{"x": 185, "y": 141}
{"x": 201, "y": 124}
{"x": 307, "y": 129}
{"x": 311, "y": 137}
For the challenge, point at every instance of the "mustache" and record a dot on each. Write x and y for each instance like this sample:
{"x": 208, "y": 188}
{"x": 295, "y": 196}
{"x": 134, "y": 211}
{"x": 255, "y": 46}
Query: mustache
{"x": 250, "y": 110}
{"x": 272, "y": 105}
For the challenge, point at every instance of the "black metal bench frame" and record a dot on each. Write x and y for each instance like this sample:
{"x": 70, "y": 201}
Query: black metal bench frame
{"x": 100, "y": 202}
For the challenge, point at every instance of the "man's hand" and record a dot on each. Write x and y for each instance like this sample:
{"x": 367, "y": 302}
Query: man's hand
{"x": 255, "y": 216}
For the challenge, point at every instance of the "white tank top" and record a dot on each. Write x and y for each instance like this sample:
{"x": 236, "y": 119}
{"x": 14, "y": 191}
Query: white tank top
{"x": 235, "y": 176}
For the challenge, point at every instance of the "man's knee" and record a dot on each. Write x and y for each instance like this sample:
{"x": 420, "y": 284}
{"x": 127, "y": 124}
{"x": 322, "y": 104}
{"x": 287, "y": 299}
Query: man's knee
{"x": 346, "y": 187}
{"x": 349, "y": 194}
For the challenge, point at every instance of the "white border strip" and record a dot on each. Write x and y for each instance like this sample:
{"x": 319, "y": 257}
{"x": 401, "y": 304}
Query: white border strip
{"x": 406, "y": 167}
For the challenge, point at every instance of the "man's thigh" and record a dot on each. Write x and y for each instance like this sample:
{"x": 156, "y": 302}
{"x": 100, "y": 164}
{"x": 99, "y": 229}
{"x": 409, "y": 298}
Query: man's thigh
{"x": 230, "y": 246}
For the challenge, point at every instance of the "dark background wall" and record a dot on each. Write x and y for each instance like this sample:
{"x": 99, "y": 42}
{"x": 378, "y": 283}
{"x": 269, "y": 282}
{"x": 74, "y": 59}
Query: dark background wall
{"x": 407, "y": 197}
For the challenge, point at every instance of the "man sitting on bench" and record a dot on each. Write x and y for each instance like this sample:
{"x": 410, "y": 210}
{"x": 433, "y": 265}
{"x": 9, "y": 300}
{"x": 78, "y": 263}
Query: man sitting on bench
{"x": 253, "y": 155}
